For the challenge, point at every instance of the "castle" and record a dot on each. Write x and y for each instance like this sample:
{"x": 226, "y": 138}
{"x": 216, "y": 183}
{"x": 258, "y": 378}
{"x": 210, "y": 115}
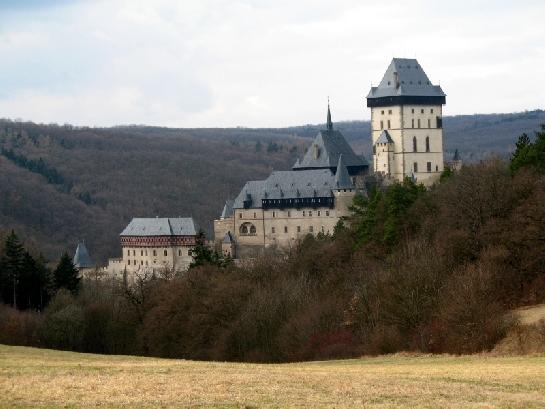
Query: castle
{"x": 312, "y": 197}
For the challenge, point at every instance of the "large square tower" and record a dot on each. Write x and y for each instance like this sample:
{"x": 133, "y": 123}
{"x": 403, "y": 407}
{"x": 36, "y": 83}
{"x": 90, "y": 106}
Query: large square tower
{"x": 407, "y": 124}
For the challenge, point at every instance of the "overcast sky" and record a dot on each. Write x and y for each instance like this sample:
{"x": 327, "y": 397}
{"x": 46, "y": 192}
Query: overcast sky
{"x": 214, "y": 63}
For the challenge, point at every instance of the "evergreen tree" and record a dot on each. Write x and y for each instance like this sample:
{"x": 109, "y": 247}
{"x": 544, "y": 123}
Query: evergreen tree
{"x": 202, "y": 254}
{"x": 66, "y": 275}
{"x": 529, "y": 154}
{"x": 12, "y": 264}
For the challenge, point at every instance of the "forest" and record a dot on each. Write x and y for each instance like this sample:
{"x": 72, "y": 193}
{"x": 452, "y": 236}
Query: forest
{"x": 60, "y": 184}
{"x": 434, "y": 271}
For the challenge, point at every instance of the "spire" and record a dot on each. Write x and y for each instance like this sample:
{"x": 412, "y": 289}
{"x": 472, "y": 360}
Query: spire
{"x": 81, "y": 258}
{"x": 329, "y": 123}
{"x": 342, "y": 179}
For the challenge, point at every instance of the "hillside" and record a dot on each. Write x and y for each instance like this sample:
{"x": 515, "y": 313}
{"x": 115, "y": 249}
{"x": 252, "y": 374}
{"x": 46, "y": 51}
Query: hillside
{"x": 59, "y": 184}
{"x": 33, "y": 377}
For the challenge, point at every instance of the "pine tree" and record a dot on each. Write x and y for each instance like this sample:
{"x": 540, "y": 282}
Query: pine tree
{"x": 12, "y": 266}
{"x": 66, "y": 275}
{"x": 202, "y": 254}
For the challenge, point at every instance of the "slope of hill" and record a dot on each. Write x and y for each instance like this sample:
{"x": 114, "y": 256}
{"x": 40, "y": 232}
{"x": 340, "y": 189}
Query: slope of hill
{"x": 68, "y": 379}
{"x": 59, "y": 184}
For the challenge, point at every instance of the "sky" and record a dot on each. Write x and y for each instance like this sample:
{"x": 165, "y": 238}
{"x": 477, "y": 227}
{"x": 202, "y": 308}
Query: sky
{"x": 259, "y": 63}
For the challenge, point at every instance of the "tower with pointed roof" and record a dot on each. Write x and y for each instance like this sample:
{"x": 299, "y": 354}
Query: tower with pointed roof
{"x": 406, "y": 123}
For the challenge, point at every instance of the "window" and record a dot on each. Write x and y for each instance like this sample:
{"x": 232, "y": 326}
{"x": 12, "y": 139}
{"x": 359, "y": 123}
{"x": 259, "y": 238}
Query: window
{"x": 429, "y": 123}
{"x": 298, "y": 229}
{"x": 289, "y": 213}
{"x": 165, "y": 253}
{"x": 412, "y": 110}
{"x": 431, "y": 111}
{"x": 255, "y": 215}
{"x": 428, "y": 166}
{"x": 246, "y": 229}
{"x": 129, "y": 262}
{"x": 439, "y": 122}
{"x": 382, "y": 112}
{"x": 240, "y": 215}
{"x": 310, "y": 213}
{"x": 389, "y": 126}
{"x": 141, "y": 262}
{"x": 427, "y": 143}
{"x": 146, "y": 262}
{"x": 128, "y": 252}
{"x": 390, "y": 111}
{"x": 134, "y": 252}
{"x": 381, "y": 124}
{"x": 415, "y": 167}
{"x": 274, "y": 214}
{"x": 412, "y": 122}
{"x": 154, "y": 253}
{"x": 303, "y": 213}
{"x": 311, "y": 229}
{"x": 419, "y": 123}
{"x": 285, "y": 229}
{"x": 273, "y": 230}
{"x": 141, "y": 252}
{"x": 179, "y": 252}
{"x": 421, "y": 111}
{"x": 327, "y": 212}
{"x": 414, "y": 144}
{"x": 189, "y": 253}
{"x": 436, "y": 168}
{"x": 318, "y": 213}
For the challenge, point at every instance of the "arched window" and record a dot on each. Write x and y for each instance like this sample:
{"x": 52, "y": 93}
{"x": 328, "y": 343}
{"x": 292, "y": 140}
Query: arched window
{"x": 414, "y": 144}
{"x": 427, "y": 143}
{"x": 247, "y": 229}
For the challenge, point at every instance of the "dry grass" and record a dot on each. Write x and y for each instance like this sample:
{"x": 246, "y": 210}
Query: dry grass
{"x": 43, "y": 378}
{"x": 531, "y": 315}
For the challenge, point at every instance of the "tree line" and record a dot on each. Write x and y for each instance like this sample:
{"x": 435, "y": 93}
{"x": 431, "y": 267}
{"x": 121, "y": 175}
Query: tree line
{"x": 435, "y": 270}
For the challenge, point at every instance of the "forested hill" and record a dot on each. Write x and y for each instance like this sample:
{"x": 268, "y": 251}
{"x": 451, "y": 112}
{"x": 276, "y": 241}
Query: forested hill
{"x": 59, "y": 184}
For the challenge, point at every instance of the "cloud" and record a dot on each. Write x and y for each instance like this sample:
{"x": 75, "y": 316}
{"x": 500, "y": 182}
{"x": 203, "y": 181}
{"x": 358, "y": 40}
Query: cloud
{"x": 258, "y": 62}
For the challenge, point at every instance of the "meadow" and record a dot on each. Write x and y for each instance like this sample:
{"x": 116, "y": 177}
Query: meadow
{"x": 31, "y": 377}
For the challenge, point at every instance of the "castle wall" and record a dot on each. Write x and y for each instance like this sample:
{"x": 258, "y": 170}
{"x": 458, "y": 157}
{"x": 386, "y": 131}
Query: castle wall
{"x": 403, "y": 123}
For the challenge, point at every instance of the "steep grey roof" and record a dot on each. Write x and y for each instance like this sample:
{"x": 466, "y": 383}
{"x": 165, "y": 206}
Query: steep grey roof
{"x": 161, "y": 226}
{"x": 456, "y": 155}
{"x": 287, "y": 184}
{"x": 82, "y": 258}
{"x": 326, "y": 148}
{"x": 384, "y": 138}
{"x": 227, "y": 209}
{"x": 405, "y": 77}
{"x": 324, "y": 152}
{"x": 342, "y": 179}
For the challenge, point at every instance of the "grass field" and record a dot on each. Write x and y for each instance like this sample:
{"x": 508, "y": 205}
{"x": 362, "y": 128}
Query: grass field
{"x": 53, "y": 379}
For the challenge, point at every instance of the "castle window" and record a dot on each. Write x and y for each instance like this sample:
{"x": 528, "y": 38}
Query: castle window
{"x": 415, "y": 167}
{"x": 240, "y": 215}
{"x": 431, "y": 111}
{"x": 412, "y": 121}
{"x": 134, "y": 252}
{"x": 439, "y": 122}
{"x": 129, "y": 262}
{"x": 382, "y": 112}
{"x": 298, "y": 229}
{"x": 285, "y": 229}
{"x": 427, "y": 143}
{"x": 418, "y": 123}
{"x": 327, "y": 212}
{"x": 421, "y": 111}
{"x": 412, "y": 110}
{"x": 274, "y": 214}
{"x": 165, "y": 253}
{"x": 429, "y": 123}
{"x": 141, "y": 262}
{"x": 141, "y": 252}
{"x": 273, "y": 230}
{"x": 289, "y": 213}
{"x": 318, "y": 213}
{"x": 128, "y": 252}
{"x": 309, "y": 213}
{"x": 389, "y": 126}
{"x": 179, "y": 252}
{"x": 381, "y": 124}
{"x": 303, "y": 213}
{"x": 436, "y": 168}
{"x": 428, "y": 166}
{"x": 255, "y": 215}
{"x": 146, "y": 262}
{"x": 390, "y": 111}
{"x": 414, "y": 144}
{"x": 154, "y": 253}
{"x": 311, "y": 229}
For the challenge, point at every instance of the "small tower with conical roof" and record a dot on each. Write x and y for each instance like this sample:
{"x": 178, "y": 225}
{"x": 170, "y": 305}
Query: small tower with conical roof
{"x": 82, "y": 260}
{"x": 344, "y": 189}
